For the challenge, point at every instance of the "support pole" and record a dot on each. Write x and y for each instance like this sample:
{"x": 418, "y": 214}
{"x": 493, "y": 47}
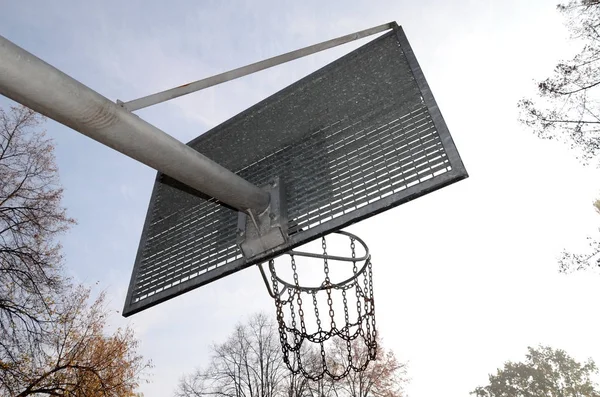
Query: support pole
{"x": 32, "y": 82}
{"x": 194, "y": 86}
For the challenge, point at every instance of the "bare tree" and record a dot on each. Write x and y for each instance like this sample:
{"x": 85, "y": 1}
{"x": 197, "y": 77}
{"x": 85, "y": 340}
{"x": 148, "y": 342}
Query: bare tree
{"x": 75, "y": 357}
{"x": 247, "y": 364}
{"x": 51, "y": 341}
{"x": 325, "y": 387}
{"x": 31, "y": 218}
{"x": 250, "y": 364}
{"x": 297, "y": 385}
{"x": 590, "y": 259}
{"x": 383, "y": 377}
{"x": 567, "y": 107}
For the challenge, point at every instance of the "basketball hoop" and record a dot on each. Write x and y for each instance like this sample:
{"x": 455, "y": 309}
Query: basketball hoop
{"x": 381, "y": 143}
{"x": 358, "y": 329}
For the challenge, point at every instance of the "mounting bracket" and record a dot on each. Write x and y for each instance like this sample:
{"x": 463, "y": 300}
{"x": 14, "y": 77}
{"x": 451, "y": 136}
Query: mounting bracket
{"x": 259, "y": 233}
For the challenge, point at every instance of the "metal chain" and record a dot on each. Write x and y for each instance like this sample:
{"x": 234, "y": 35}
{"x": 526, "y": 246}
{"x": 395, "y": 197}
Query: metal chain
{"x": 298, "y": 295}
{"x": 293, "y": 317}
{"x": 374, "y": 348}
{"x": 328, "y": 284}
{"x": 292, "y": 311}
{"x": 280, "y": 320}
{"x": 347, "y": 327}
{"x": 325, "y": 263}
{"x": 314, "y": 297}
{"x": 354, "y": 270}
{"x": 365, "y": 321}
{"x": 366, "y": 299}
{"x": 358, "y": 290}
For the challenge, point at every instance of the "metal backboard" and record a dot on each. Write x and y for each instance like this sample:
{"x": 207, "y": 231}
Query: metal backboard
{"x": 353, "y": 139}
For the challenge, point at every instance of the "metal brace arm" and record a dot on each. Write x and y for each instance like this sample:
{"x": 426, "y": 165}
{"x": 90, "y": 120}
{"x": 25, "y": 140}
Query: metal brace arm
{"x": 32, "y": 82}
{"x": 198, "y": 85}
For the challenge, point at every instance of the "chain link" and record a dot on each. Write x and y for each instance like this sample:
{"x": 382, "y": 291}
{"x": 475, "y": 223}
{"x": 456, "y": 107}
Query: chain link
{"x": 366, "y": 299}
{"x": 358, "y": 290}
{"x": 328, "y": 284}
{"x": 298, "y": 295}
{"x": 373, "y": 349}
{"x": 281, "y": 321}
{"x": 314, "y": 298}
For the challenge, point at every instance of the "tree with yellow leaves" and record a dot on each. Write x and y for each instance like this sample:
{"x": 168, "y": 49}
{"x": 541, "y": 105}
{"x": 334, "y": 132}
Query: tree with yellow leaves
{"x": 75, "y": 356}
{"x": 52, "y": 341}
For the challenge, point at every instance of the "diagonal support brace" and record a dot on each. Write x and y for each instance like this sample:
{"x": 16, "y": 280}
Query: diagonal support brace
{"x": 198, "y": 85}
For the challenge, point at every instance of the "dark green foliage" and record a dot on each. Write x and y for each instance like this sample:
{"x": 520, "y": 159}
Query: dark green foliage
{"x": 545, "y": 372}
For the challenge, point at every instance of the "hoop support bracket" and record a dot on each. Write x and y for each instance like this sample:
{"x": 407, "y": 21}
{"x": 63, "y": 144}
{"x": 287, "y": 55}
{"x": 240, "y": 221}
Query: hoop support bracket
{"x": 259, "y": 233}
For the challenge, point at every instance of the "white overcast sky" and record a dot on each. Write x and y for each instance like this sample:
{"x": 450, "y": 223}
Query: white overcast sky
{"x": 466, "y": 278}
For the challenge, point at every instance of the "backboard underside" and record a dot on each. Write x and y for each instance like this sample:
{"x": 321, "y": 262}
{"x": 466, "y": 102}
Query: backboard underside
{"x": 353, "y": 139}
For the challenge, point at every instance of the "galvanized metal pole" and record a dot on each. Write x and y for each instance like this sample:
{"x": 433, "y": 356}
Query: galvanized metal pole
{"x": 34, "y": 83}
{"x": 172, "y": 93}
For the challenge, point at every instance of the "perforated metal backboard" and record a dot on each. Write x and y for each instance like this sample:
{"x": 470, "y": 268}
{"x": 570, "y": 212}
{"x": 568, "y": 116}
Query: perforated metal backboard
{"x": 357, "y": 137}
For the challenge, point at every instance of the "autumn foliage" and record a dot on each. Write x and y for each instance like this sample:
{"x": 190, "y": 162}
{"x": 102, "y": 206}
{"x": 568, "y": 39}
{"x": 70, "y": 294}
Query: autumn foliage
{"x": 75, "y": 357}
{"x": 52, "y": 340}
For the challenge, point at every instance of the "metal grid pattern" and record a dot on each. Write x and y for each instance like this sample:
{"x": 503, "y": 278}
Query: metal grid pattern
{"x": 355, "y": 138}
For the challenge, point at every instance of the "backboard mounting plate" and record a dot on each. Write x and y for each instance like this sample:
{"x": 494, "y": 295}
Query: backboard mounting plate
{"x": 355, "y": 138}
{"x": 258, "y": 233}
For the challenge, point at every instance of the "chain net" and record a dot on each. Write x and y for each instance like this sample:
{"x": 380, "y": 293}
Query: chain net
{"x": 339, "y": 343}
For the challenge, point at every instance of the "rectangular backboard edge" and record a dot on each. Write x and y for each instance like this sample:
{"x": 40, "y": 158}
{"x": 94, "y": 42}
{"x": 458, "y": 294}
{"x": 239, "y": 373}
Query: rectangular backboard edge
{"x": 457, "y": 173}
{"x": 367, "y": 211}
{"x": 138, "y": 255}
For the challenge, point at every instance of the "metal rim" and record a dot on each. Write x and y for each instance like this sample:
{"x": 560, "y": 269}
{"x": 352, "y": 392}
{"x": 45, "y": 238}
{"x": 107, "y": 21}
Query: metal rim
{"x": 333, "y": 257}
{"x": 366, "y": 258}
